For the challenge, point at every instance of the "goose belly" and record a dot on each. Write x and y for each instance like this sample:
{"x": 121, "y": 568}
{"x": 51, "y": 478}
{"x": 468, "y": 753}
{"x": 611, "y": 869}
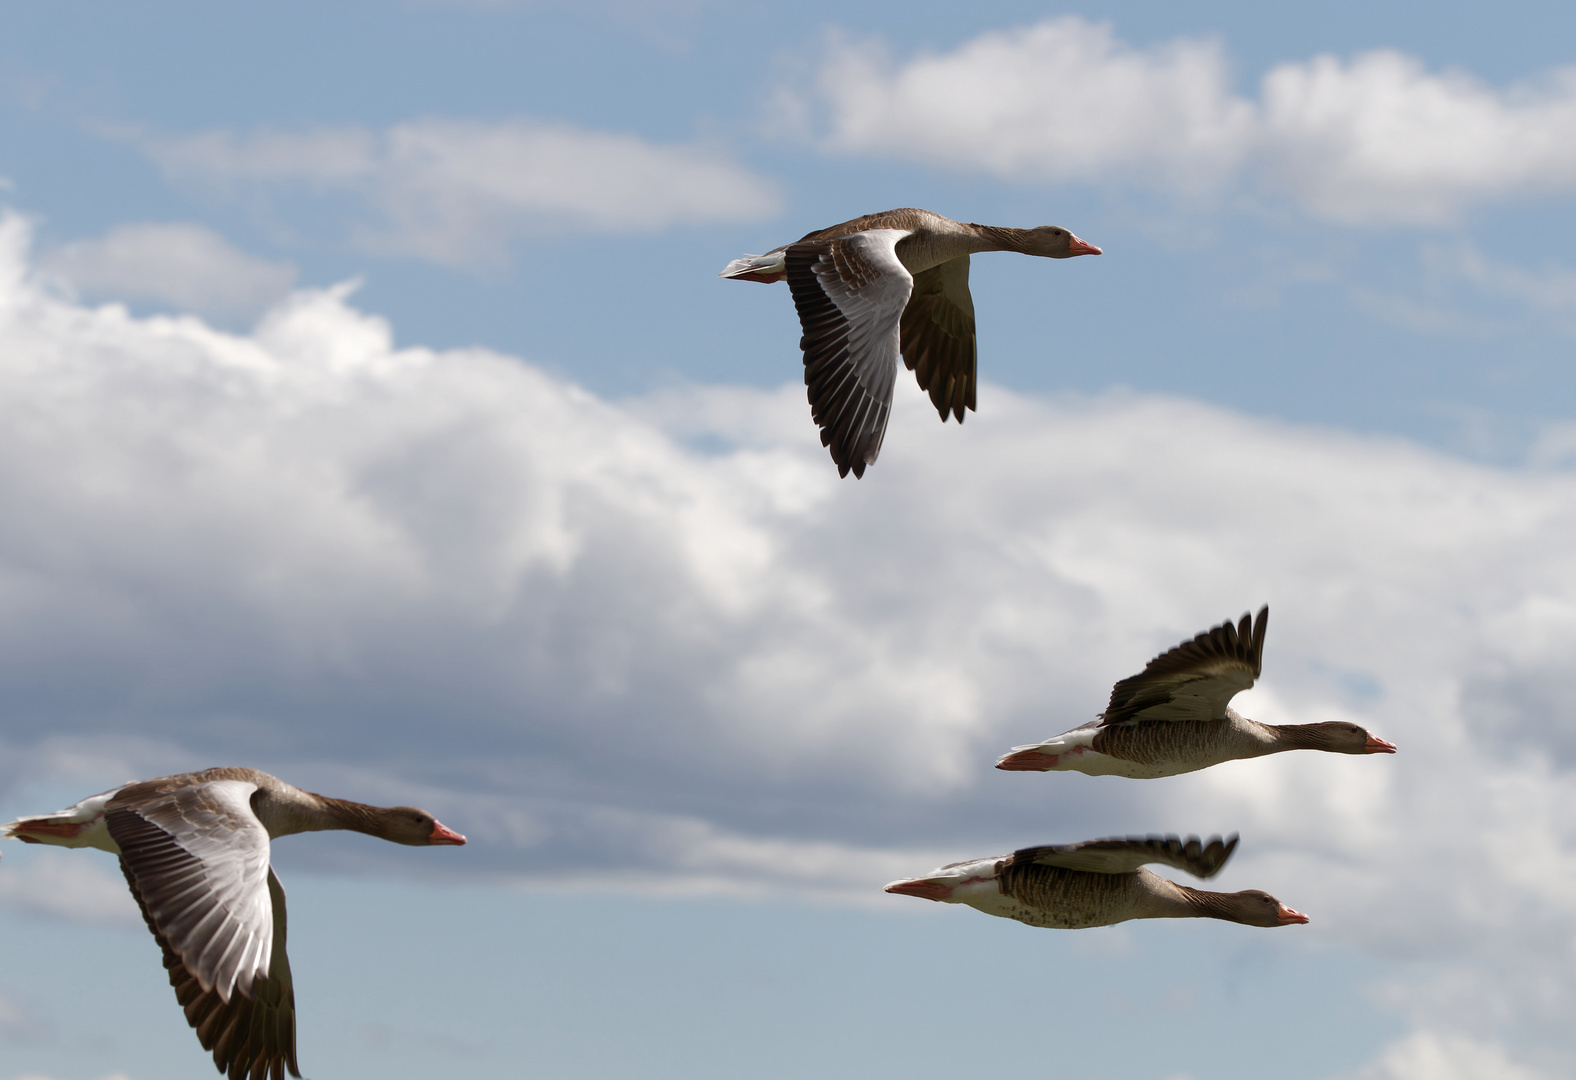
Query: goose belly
{"x": 1155, "y": 748}
{"x": 1060, "y": 899}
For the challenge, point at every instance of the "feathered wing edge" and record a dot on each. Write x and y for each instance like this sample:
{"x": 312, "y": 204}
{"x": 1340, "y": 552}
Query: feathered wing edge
{"x": 1200, "y": 669}
{"x": 252, "y": 1037}
{"x": 1123, "y": 855}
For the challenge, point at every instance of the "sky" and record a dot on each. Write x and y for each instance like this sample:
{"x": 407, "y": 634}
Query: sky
{"x": 371, "y": 414}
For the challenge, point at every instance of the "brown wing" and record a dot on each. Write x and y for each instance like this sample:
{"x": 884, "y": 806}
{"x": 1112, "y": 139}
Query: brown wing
{"x": 1197, "y": 679}
{"x": 850, "y": 294}
{"x": 938, "y": 336}
{"x": 252, "y": 1034}
{"x": 252, "y": 1038}
{"x": 1125, "y": 855}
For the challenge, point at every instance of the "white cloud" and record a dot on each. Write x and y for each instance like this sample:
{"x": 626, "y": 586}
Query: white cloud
{"x": 452, "y": 579}
{"x": 1061, "y": 100}
{"x": 181, "y": 264}
{"x": 1428, "y": 1055}
{"x": 1376, "y": 138}
{"x": 459, "y": 191}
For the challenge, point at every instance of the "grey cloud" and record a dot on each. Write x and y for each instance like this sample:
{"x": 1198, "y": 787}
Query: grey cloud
{"x": 184, "y": 265}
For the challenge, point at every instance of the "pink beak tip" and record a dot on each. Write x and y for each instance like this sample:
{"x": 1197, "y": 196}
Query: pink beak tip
{"x": 1376, "y": 745}
{"x": 442, "y": 834}
{"x": 1287, "y": 916}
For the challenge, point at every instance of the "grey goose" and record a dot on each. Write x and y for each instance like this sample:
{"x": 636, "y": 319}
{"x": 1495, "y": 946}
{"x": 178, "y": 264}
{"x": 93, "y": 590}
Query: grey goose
{"x": 879, "y": 287}
{"x": 1173, "y": 717}
{"x": 195, "y": 850}
{"x": 1099, "y": 883}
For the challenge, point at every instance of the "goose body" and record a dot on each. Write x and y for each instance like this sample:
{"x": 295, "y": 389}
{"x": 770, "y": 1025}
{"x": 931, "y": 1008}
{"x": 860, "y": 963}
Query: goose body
{"x": 195, "y": 851}
{"x": 882, "y": 287}
{"x": 1173, "y": 717}
{"x": 1099, "y": 883}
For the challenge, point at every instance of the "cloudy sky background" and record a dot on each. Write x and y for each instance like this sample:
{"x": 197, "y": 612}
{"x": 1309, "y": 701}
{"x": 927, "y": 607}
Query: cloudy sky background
{"x": 370, "y": 413}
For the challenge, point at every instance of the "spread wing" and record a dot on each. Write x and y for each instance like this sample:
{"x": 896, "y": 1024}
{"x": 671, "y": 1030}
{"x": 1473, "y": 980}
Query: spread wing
{"x": 196, "y": 858}
{"x": 1123, "y": 856}
{"x": 938, "y": 336}
{"x": 1195, "y": 680}
{"x": 252, "y": 1038}
{"x": 850, "y": 292}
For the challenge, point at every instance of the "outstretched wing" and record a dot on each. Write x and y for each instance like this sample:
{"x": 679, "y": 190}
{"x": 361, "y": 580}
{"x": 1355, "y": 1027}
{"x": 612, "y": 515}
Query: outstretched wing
{"x": 1195, "y": 680}
{"x": 1123, "y": 856}
{"x": 251, "y": 1037}
{"x": 850, "y": 293}
{"x": 938, "y": 336}
{"x": 199, "y": 860}
{"x": 196, "y": 858}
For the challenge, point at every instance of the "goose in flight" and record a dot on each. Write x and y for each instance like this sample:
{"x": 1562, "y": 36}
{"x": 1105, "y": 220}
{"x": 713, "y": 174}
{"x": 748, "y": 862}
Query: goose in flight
{"x": 881, "y": 286}
{"x": 1173, "y": 717}
{"x": 195, "y": 851}
{"x": 1098, "y": 883}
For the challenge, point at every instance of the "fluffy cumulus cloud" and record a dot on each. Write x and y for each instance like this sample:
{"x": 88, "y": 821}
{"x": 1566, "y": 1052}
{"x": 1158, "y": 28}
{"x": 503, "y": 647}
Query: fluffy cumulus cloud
{"x": 1374, "y": 138}
{"x": 179, "y": 264}
{"x": 658, "y": 644}
{"x": 458, "y": 191}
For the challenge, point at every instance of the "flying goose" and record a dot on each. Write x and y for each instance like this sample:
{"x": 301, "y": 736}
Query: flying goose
{"x": 194, "y": 849}
{"x": 1173, "y": 718}
{"x": 883, "y": 285}
{"x": 1098, "y": 883}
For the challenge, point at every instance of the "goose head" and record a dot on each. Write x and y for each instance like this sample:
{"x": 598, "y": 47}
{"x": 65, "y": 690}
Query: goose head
{"x": 416, "y": 827}
{"x": 1055, "y": 242}
{"x": 1254, "y": 907}
{"x": 1340, "y": 737}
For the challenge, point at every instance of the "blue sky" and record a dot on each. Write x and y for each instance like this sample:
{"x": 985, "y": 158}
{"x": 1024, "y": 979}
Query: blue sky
{"x": 373, "y": 415}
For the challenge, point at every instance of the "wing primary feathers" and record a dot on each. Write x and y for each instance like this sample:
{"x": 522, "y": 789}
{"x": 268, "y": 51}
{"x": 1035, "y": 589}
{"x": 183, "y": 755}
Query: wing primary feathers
{"x": 1195, "y": 680}
{"x": 1124, "y": 855}
{"x": 850, "y": 293}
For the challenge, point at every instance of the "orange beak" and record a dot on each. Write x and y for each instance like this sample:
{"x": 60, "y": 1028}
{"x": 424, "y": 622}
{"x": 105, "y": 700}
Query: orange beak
{"x": 1286, "y": 916}
{"x": 1376, "y": 745}
{"x": 442, "y": 834}
{"x": 1082, "y": 247}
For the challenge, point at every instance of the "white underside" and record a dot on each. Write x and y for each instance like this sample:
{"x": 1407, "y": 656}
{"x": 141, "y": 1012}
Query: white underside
{"x": 89, "y": 813}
